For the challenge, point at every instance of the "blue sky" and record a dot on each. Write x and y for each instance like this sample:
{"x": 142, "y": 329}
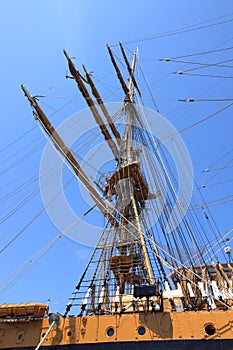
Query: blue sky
{"x": 33, "y": 35}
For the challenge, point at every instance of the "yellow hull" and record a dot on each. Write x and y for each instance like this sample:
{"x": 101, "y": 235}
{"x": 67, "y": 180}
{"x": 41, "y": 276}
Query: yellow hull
{"x": 122, "y": 328}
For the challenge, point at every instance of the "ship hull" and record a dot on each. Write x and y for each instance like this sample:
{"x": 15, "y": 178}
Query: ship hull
{"x": 201, "y": 330}
{"x": 195, "y": 344}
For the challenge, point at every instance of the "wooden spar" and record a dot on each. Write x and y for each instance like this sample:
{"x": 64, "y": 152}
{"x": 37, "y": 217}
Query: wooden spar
{"x": 127, "y": 89}
{"x": 92, "y": 106}
{"x": 128, "y": 143}
{"x": 102, "y": 106}
{"x": 129, "y": 107}
{"x": 47, "y": 126}
{"x": 119, "y": 75}
{"x": 132, "y": 69}
{"x": 143, "y": 244}
{"x": 131, "y": 73}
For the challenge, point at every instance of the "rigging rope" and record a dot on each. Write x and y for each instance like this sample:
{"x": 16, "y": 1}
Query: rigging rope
{"x": 204, "y": 119}
{"x": 45, "y": 335}
{"x": 215, "y": 184}
{"x": 203, "y": 75}
{"x": 203, "y": 65}
{"x": 207, "y": 100}
{"x": 200, "y": 53}
{"x": 32, "y": 220}
{"x": 8, "y": 281}
{"x": 19, "y": 138}
{"x": 181, "y": 30}
{"x": 218, "y": 172}
{"x": 215, "y": 202}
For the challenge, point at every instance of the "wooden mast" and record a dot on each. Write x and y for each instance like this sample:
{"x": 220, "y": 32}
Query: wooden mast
{"x": 128, "y": 145}
{"x": 143, "y": 244}
{"x": 130, "y": 109}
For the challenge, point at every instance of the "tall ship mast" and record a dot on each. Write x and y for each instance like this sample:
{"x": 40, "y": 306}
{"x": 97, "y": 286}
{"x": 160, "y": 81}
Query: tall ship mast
{"x": 148, "y": 283}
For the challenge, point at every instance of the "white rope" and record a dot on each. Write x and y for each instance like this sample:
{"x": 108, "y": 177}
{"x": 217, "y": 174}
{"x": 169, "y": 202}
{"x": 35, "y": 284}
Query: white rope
{"x": 45, "y": 336}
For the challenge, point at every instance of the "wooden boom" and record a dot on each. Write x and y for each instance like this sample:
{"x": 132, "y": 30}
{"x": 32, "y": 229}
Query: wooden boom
{"x": 130, "y": 70}
{"x": 78, "y": 78}
{"x": 58, "y": 142}
{"x": 119, "y": 75}
{"x": 102, "y": 106}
